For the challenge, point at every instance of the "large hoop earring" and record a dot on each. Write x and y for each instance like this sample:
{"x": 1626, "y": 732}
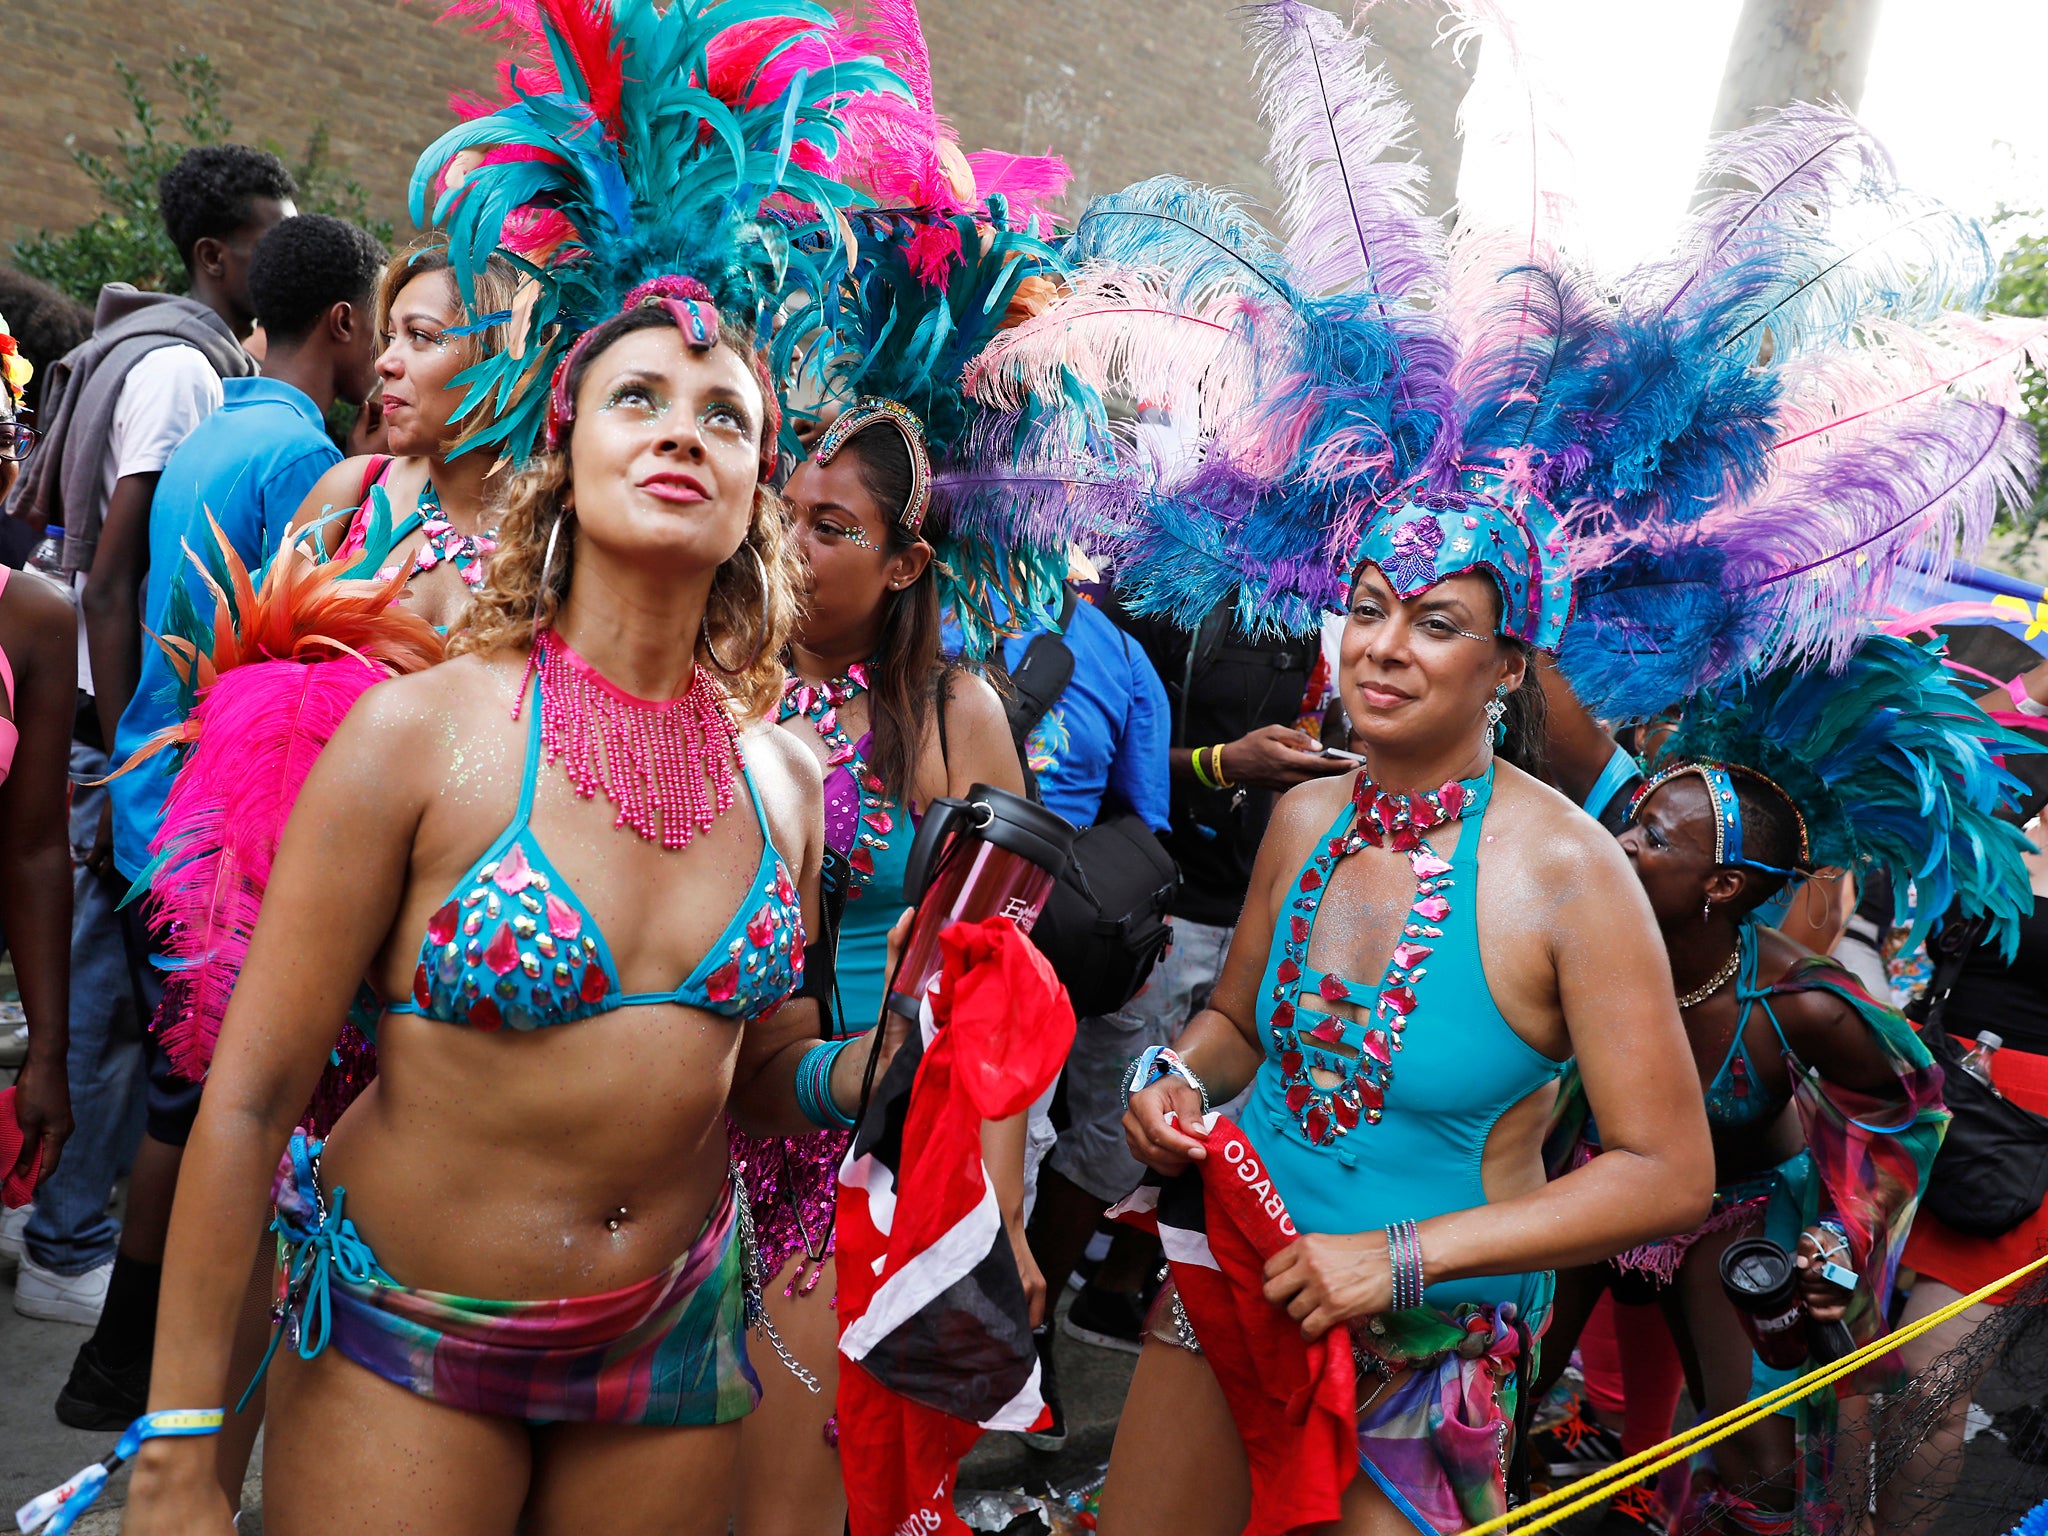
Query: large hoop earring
{"x": 547, "y": 563}
{"x": 761, "y": 637}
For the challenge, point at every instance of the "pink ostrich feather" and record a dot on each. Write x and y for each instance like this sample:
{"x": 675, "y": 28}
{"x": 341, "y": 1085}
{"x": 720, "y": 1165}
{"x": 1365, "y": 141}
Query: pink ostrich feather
{"x": 1846, "y": 394}
{"x": 260, "y": 727}
{"x": 1121, "y": 331}
{"x": 1353, "y": 213}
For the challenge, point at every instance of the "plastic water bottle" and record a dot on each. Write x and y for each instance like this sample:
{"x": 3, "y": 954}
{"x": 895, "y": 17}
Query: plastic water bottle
{"x": 1978, "y": 1062}
{"x": 48, "y": 556}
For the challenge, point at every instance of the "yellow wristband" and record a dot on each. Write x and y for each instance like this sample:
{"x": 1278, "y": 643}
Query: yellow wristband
{"x": 1201, "y": 774}
{"x": 1216, "y": 765}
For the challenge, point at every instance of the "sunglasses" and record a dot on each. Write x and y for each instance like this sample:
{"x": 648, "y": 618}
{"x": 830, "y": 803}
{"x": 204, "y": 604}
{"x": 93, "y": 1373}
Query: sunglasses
{"x": 17, "y": 441}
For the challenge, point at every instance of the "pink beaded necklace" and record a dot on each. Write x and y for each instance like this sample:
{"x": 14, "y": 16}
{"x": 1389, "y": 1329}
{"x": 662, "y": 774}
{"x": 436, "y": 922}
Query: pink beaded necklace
{"x": 667, "y": 761}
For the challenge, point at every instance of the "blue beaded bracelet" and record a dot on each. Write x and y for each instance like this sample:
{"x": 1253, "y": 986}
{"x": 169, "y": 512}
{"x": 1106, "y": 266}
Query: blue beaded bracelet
{"x": 814, "y": 1086}
{"x": 1404, "y": 1253}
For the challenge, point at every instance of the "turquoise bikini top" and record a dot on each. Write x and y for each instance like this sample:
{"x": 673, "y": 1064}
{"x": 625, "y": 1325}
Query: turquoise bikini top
{"x": 1736, "y": 1097}
{"x": 1396, "y": 1126}
{"x": 514, "y": 946}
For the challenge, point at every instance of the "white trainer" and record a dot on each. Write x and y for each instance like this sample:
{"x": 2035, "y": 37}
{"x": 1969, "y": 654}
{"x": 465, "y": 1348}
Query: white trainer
{"x": 12, "y": 1224}
{"x": 55, "y": 1298}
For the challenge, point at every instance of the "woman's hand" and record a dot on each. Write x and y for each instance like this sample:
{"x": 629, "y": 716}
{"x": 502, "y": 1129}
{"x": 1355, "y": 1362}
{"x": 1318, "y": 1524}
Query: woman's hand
{"x": 1153, "y": 1126}
{"x": 42, "y": 1108}
{"x": 1027, "y": 1271}
{"x": 175, "y": 1490}
{"x": 1324, "y": 1280}
{"x": 1825, "y": 1301}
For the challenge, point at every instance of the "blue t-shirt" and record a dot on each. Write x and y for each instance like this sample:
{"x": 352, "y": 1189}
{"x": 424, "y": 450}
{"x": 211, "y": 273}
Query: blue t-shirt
{"x": 1108, "y": 732}
{"x": 249, "y": 465}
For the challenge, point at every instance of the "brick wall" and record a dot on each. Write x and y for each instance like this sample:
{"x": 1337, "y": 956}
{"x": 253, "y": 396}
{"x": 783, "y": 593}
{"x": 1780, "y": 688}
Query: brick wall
{"x": 376, "y": 73}
{"x": 1123, "y": 88}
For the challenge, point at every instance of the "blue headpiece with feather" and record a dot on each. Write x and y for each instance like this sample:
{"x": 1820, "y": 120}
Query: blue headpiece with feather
{"x": 1740, "y": 442}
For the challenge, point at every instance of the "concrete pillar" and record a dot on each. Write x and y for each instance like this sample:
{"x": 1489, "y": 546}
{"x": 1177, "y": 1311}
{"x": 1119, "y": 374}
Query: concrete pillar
{"x": 1795, "y": 50}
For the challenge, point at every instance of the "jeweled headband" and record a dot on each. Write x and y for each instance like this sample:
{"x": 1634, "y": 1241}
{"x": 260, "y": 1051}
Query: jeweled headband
{"x": 865, "y": 412}
{"x": 1435, "y": 534}
{"x": 1720, "y": 781}
{"x": 689, "y": 304}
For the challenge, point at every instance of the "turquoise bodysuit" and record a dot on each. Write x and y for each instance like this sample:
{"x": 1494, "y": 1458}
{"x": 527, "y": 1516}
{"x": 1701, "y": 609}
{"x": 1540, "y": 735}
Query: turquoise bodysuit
{"x": 1402, "y": 1132}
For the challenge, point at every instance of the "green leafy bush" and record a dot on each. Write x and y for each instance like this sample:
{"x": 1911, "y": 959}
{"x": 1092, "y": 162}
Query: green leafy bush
{"x": 126, "y": 242}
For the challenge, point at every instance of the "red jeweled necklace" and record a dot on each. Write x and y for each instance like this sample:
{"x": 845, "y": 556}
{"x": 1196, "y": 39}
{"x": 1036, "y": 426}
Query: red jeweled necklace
{"x": 820, "y": 703}
{"x": 1363, "y": 1076}
{"x": 666, "y": 765}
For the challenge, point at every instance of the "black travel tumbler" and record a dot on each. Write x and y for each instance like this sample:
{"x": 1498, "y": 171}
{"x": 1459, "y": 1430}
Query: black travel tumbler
{"x": 1762, "y": 1284}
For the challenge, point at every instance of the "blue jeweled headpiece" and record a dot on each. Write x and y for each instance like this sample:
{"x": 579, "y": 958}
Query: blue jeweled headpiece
{"x": 1434, "y": 534}
{"x": 1720, "y": 781}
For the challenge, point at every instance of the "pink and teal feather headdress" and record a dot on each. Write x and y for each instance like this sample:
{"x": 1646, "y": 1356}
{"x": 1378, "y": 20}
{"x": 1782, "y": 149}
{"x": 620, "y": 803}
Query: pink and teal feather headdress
{"x": 632, "y": 142}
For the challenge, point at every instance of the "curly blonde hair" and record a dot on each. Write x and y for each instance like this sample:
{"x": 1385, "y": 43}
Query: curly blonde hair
{"x": 753, "y": 605}
{"x": 498, "y": 286}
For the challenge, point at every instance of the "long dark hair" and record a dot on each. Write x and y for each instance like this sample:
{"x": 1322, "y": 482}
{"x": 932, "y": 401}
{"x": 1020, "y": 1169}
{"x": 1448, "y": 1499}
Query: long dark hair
{"x": 907, "y": 673}
{"x": 1527, "y": 719}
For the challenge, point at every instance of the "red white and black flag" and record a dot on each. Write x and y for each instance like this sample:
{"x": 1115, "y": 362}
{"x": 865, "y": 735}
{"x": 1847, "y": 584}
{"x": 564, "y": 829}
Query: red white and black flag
{"x": 932, "y": 1313}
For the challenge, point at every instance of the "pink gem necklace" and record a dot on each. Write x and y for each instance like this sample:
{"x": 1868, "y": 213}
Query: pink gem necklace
{"x": 470, "y": 553}
{"x": 1382, "y": 820}
{"x": 820, "y": 703}
{"x": 666, "y": 765}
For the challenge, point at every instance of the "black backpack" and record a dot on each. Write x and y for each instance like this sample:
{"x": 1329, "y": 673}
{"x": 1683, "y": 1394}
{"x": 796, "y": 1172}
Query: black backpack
{"x": 1104, "y": 927}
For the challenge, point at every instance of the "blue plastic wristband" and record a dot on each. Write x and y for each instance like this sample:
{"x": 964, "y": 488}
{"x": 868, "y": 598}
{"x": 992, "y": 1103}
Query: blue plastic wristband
{"x": 814, "y": 1086}
{"x": 62, "y": 1505}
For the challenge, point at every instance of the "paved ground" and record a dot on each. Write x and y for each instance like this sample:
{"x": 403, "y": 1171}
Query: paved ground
{"x": 37, "y": 1452}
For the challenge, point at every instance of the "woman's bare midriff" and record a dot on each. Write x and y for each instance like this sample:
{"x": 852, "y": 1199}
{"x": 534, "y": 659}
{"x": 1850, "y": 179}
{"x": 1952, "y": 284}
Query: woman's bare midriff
{"x": 565, "y": 1162}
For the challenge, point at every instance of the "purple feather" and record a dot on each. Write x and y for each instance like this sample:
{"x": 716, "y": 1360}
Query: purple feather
{"x": 1781, "y": 177}
{"x": 1354, "y": 218}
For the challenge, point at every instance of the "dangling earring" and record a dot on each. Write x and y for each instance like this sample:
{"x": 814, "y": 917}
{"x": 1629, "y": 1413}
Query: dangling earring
{"x": 547, "y": 562}
{"x": 1496, "y": 711}
{"x": 1706, "y": 909}
{"x": 761, "y": 639}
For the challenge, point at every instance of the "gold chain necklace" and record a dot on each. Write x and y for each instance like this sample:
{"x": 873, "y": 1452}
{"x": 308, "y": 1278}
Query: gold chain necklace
{"x": 1714, "y": 983}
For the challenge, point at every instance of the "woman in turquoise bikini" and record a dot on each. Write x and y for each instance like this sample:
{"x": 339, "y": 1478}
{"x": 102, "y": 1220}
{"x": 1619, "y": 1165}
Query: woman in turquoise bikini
{"x": 1403, "y": 1122}
{"x": 579, "y": 866}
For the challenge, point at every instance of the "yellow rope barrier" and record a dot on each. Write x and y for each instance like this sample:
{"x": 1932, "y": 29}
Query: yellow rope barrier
{"x": 1588, "y": 1491}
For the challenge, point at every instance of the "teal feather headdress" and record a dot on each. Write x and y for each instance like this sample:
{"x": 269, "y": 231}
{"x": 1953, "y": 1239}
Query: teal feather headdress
{"x": 1892, "y": 765}
{"x": 632, "y": 142}
{"x": 893, "y": 334}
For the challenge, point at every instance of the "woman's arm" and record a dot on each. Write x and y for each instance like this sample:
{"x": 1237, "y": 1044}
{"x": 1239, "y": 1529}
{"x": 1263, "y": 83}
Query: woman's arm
{"x": 1576, "y": 749}
{"x": 39, "y": 632}
{"x": 1655, "y": 1173}
{"x": 979, "y": 748}
{"x": 334, "y": 889}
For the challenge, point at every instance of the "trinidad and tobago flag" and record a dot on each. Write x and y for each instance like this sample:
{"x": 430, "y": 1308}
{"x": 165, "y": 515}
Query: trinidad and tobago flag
{"x": 932, "y": 1314}
{"x": 1294, "y": 1403}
